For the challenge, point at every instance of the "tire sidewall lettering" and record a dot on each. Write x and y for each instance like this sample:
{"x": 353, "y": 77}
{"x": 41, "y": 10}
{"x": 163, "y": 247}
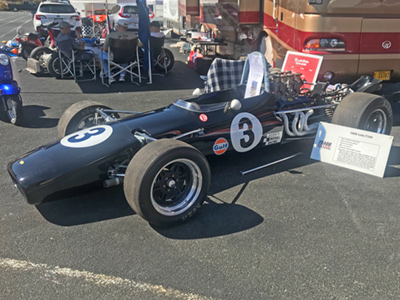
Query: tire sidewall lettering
{"x": 246, "y": 132}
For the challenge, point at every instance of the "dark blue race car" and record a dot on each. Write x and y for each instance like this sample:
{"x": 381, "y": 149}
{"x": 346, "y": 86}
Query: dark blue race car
{"x": 160, "y": 156}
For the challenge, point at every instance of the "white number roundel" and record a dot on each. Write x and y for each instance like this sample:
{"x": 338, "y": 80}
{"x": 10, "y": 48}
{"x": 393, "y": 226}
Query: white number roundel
{"x": 246, "y": 132}
{"x": 87, "y": 137}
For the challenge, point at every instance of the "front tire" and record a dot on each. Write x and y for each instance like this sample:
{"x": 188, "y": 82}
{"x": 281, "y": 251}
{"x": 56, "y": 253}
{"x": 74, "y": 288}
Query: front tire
{"x": 167, "y": 181}
{"x": 14, "y": 110}
{"x": 364, "y": 111}
{"x": 79, "y": 116}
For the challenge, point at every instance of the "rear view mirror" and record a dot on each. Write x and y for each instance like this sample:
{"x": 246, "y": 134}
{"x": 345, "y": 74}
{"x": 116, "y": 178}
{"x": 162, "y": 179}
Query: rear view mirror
{"x": 233, "y": 105}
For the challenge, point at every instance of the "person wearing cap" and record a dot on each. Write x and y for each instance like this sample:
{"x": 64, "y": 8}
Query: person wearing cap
{"x": 122, "y": 33}
{"x": 154, "y": 28}
{"x": 67, "y": 42}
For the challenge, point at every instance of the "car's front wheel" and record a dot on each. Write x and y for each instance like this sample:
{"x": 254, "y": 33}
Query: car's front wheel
{"x": 167, "y": 181}
{"x": 81, "y": 115}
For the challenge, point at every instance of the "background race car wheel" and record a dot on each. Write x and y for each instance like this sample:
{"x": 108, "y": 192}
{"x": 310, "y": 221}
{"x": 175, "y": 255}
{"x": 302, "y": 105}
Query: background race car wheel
{"x": 166, "y": 182}
{"x": 79, "y": 116}
{"x": 364, "y": 111}
{"x": 14, "y": 110}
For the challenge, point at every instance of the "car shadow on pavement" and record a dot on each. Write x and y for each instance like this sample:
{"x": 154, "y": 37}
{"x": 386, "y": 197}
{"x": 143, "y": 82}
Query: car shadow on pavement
{"x": 92, "y": 207}
{"x": 394, "y": 159}
{"x": 212, "y": 220}
{"x": 33, "y": 117}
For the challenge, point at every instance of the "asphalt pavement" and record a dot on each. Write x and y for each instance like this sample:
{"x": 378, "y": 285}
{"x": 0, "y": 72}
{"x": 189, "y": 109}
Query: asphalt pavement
{"x": 300, "y": 229}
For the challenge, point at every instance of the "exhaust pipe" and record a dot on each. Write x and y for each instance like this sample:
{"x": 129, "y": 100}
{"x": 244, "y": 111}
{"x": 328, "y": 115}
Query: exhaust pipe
{"x": 113, "y": 182}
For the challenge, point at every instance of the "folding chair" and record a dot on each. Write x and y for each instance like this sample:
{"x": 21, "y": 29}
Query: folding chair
{"x": 122, "y": 51}
{"x": 157, "y": 45}
{"x": 73, "y": 61}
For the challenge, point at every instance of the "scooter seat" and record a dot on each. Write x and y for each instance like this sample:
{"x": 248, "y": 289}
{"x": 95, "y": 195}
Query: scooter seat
{"x": 34, "y": 35}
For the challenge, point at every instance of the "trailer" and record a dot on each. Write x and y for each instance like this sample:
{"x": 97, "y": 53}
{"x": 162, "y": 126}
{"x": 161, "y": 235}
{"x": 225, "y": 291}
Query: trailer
{"x": 354, "y": 37}
{"x": 181, "y": 15}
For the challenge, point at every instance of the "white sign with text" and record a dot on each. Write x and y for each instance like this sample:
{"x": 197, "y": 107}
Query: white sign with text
{"x": 352, "y": 148}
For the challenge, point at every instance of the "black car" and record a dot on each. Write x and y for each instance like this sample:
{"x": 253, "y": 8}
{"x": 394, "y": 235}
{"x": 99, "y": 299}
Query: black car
{"x": 160, "y": 155}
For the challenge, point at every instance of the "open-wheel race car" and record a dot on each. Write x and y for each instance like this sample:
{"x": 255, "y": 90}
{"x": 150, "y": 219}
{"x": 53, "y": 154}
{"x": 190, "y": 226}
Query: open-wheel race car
{"x": 160, "y": 156}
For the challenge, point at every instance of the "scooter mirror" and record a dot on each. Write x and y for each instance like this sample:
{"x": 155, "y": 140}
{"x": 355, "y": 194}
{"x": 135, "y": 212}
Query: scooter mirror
{"x": 20, "y": 30}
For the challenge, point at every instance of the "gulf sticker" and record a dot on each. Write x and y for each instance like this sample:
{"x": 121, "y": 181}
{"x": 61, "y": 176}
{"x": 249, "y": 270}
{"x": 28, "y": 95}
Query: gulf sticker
{"x": 203, "y": 117}
{"x": 220, "y": 146}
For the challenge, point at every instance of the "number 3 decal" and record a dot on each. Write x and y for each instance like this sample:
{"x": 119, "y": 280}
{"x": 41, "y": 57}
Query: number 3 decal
{"x": 246, "y": 132}
{"x": 87, "y": 137}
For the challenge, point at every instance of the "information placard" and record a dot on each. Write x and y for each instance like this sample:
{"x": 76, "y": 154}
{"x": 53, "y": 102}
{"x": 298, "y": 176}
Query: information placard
{"x": 351, "y": 148}
{"x": 306, "y": 64}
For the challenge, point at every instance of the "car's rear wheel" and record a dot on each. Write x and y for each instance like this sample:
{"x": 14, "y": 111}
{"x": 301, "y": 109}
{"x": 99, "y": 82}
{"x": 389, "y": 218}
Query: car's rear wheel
{"x": 81, "y": 115}
{"x": 167, "y": 181}
{"x": 365, "y": 111}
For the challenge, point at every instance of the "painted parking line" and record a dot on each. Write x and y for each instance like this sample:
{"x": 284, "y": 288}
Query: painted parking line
{"x": 97, "y": 279}
{"x": 14, "y": 29}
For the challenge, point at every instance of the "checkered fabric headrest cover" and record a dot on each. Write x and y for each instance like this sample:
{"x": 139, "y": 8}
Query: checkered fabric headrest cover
{"x": 223, "y": 74}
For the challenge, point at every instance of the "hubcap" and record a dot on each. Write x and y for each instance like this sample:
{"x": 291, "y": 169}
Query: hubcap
{"x": 176, "y": 187}
{"x": 376, "y": 122}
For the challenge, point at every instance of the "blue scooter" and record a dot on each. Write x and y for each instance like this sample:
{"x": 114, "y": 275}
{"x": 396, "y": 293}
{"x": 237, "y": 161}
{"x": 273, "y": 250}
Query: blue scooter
{"x": 9, "y": 90}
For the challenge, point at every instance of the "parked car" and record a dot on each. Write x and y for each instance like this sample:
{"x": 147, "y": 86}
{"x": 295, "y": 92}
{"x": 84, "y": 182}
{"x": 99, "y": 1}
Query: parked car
{"x": 127, "y": 12}
{"x": 26, "y": 5}
{"x": 56, "y": 11}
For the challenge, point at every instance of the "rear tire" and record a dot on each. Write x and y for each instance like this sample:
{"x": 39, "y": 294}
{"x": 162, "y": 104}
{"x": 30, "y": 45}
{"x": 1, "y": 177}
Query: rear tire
{"x": 79, "y": 116}
{"x": 167, "y": 181}
{"x": 14, "y": 110}
{"x": 364, "y": 111}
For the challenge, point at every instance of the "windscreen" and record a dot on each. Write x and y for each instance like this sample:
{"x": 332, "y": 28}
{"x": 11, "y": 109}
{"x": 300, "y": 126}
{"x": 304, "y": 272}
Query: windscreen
{"x": 57, "y": 9}
{"x": 130, "y": 10}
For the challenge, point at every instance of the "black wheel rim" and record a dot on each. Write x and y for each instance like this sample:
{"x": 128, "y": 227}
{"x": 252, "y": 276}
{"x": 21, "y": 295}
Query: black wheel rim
{"x": 376, "y": 121}
{"x": 89, "y": 121}
{"x": 176, "y": 187}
